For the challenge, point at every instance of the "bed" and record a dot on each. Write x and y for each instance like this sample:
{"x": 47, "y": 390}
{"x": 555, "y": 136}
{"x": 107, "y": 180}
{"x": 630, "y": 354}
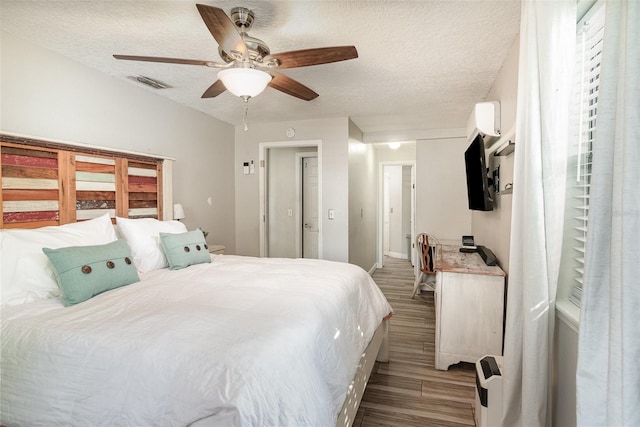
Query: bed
{"x": 226, "y": 340}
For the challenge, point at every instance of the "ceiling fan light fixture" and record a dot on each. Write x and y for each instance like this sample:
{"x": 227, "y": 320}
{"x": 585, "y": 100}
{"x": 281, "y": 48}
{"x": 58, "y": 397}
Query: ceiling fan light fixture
{"x": 244, "y": 82}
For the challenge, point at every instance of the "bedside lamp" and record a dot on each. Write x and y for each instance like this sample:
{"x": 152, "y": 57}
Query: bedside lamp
{"x": 178, "y": 211}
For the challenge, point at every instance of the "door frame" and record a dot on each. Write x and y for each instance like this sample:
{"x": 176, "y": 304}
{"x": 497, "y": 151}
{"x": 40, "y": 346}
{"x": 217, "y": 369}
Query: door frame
{"x": 380, "y": 225}
{"x": 262, "y": 190}
{"x": 299, "y": 207}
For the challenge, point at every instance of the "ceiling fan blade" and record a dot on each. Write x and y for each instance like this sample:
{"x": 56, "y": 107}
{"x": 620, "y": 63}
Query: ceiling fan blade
{"x": 306, "y": 57}
{"x": 214, "y": 90}
{"x": 223, "y": 30}
{"x": 291, "y": 87}
{"x": 169, "y": 60}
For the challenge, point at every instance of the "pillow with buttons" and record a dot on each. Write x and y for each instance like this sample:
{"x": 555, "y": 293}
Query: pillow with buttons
{"x": 185, "y": 249}
{"x": 83, "y": 272}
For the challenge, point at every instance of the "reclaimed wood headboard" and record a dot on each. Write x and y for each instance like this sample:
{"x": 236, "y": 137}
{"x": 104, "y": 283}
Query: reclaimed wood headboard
{"x": 49, "y": 183}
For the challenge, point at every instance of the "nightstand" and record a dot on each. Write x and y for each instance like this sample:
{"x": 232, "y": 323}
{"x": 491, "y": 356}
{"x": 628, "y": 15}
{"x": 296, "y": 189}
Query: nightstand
{"x": 216, "y": 249}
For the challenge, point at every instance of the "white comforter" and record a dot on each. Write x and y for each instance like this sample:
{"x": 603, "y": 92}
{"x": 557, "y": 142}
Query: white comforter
{"x": 240, "y": 341}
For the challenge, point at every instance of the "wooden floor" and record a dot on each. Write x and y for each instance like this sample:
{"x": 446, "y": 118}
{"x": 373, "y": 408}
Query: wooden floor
{"x": 409, "y": 391}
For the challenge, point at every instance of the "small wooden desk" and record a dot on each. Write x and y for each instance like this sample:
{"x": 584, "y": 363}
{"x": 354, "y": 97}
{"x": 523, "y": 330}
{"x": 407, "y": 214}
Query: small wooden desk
{"x": 469, "y": 300}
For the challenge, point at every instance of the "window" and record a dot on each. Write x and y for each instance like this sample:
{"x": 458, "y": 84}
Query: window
{"x": 588, "y": 55}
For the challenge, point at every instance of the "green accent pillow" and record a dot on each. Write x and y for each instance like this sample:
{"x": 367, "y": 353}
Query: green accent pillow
{"x": 83, "y": 272}
{"x": 185, "y": 249}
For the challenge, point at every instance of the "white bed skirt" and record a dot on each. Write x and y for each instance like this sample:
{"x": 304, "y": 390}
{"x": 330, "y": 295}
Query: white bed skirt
{"x": 377, "y": 350}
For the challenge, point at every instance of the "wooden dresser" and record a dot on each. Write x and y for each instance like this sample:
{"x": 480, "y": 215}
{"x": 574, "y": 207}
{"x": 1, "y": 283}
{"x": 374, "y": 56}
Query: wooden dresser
{"x": 469, "y": 300}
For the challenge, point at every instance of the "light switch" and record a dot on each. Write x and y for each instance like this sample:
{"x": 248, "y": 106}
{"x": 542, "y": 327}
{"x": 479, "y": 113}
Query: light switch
{"x": 252, "y": 168}
{"x": 332, "y": 214}
{"x": 290, "y": 212}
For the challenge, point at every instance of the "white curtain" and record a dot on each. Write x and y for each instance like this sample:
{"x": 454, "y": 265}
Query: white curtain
{"x": 608, "y": 375}
{"x": 547, "y": 52}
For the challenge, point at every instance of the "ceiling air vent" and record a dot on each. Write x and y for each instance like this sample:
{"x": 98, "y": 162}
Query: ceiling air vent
{"x": 156, "y": 84}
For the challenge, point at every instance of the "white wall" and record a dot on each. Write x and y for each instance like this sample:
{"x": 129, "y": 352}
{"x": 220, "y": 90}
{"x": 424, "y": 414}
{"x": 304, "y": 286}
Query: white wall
{"x": 406, "y": 153}
{"x": 442, "y": 210}
{"x": 565, "y": 363}
{"x": 493, "y": 228}
{"x": 363, "y": 186}
{"x": 47, "y": 95}
{"x": 334, "y": 158}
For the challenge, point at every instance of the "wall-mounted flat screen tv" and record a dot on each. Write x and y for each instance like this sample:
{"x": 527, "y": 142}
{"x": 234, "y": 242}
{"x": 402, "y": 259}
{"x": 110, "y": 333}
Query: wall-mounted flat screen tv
{"x": 477, "y": 176}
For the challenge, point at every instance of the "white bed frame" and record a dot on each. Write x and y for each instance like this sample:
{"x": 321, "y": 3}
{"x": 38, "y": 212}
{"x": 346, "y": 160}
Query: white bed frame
{"x": 377, "y": 350}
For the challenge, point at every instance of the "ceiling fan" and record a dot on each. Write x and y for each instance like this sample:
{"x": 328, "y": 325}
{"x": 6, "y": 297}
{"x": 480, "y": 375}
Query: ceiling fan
{"x": 249, "y": 64}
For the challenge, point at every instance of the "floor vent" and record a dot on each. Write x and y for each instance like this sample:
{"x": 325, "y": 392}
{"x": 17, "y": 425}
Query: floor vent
{"x": 156, "y": 84}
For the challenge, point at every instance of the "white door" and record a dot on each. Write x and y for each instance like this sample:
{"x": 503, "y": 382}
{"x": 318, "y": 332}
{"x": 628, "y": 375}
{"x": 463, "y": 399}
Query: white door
{"x": 386, "y": 211}
{"x": 310, "y": 207}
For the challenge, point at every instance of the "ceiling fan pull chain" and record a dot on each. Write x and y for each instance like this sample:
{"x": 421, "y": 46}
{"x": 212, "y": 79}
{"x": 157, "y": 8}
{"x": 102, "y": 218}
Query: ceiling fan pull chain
{"x": 244, "y": 115}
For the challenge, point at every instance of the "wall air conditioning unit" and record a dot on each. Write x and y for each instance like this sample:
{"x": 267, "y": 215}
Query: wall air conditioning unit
{"x": 485, "y": 121}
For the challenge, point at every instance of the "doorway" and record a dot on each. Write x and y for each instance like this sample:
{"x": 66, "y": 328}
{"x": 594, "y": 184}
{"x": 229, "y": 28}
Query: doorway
{"x": 396, "y": 225}
{"x": 290, "y": 199}
{"x": 308, "y": 222}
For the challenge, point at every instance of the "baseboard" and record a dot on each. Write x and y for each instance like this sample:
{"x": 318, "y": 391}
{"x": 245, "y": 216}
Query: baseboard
{"x": 396, "y": 255}
{"x": 373, "y": 269}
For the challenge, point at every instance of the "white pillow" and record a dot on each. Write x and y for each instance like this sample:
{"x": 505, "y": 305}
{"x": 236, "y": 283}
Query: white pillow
{"x": 143, "y": 237}
{"x": 26, "y": 272}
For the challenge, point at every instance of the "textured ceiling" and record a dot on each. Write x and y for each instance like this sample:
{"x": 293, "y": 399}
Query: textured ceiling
{"x": 422, "y": 64}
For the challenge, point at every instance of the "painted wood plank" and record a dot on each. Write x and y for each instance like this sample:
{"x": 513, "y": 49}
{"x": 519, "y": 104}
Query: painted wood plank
{"x": 160, "y": 190}
{"x": 29, "y": 184}
{"x": 9, "y": 217}
{"x": 95, "y": 167}
{"x": 95, "y": 204}
{"x": 33, "y": 161}
{"x": 29, "y": 152}
{"x": 142, "y": 172}
{"x": 95, "y": 177}
{"x": 95, "y": 186}
{"x": 122, "y": 184}
{"x": 95, "y": 195}
{"x": 14, "y": 195}
{"x": 1, "y": 192}
{"x": 142, "y": 180}
{"x": 143, "y": 211}
{"x": 91, "y": 159}
{"x": 29, "y": 205}
{"x": 28, "y": 224}
{"x": 143, "y": 204}
{"x": 94, "y": 213}
{"x": 11, "y": 171}
{"x": 147, "y": 188}
{"x": 142, "y": 165}
{"x": 67, "y": 180}
{"x": 142, "y": 196}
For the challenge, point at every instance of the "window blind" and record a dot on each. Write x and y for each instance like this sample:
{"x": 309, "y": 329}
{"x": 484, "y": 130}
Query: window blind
{"x": 590, "y": 35}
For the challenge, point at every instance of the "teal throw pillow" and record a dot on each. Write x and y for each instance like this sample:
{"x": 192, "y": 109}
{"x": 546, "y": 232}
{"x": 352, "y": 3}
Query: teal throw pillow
{"x": 83, "y": 272}
{"x": 185, "y": 249}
